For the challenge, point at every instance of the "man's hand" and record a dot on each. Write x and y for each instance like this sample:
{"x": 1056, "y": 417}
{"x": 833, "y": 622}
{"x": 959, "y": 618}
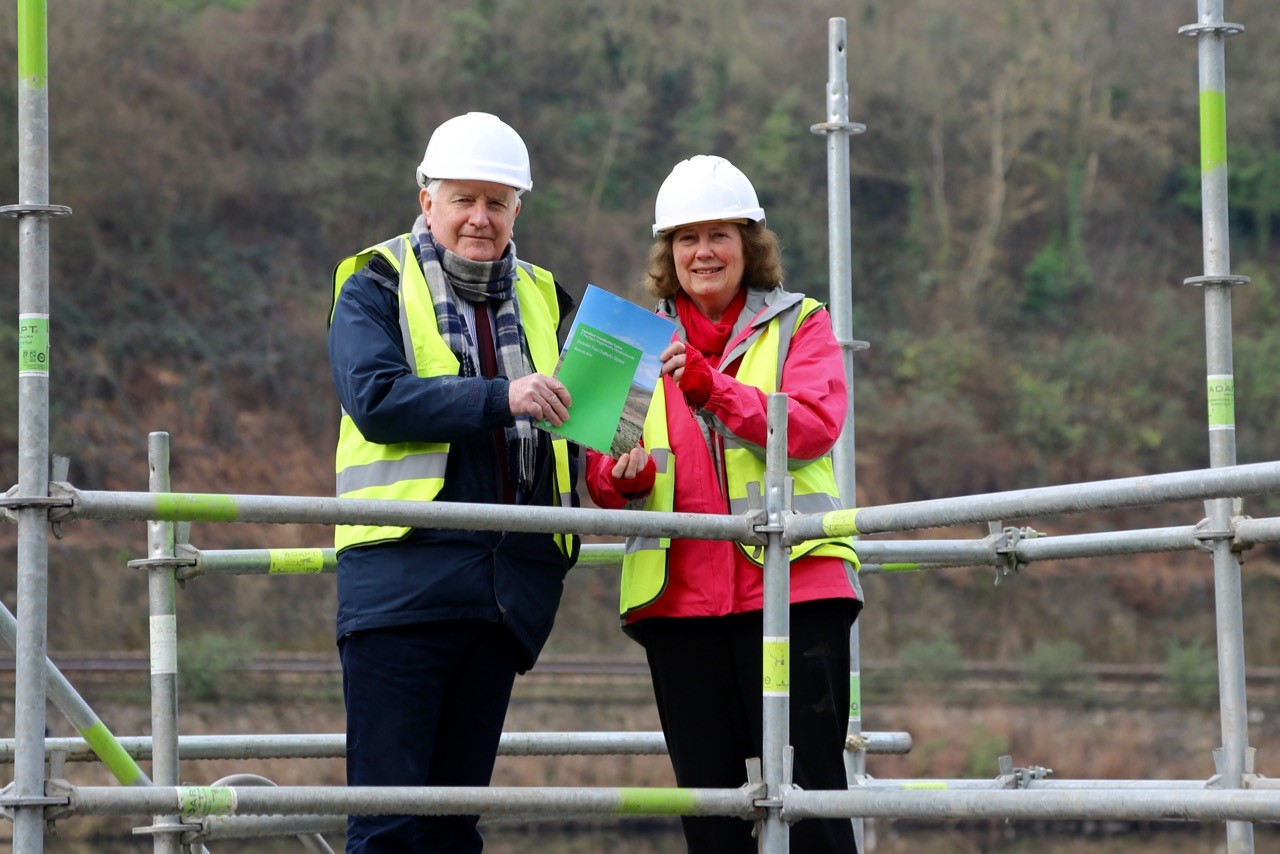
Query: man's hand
{"x": 541, "y": 396}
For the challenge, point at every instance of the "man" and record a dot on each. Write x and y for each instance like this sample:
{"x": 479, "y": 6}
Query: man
{"x": 441, "y": 344}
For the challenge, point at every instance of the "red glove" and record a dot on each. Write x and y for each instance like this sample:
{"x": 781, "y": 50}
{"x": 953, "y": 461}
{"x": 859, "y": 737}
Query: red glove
{"x": 695, "y": 382}
{"x": 638, "y": 486}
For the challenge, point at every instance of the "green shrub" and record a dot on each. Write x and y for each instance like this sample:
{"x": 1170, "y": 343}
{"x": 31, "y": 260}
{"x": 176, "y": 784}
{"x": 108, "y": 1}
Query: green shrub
{"x": 1056, "y": 669}
{"x": 932, "y": 662}
{"x": 983, "y": 752}
{"x": 212, "y": 667}
{"x": 1191, "y": 673}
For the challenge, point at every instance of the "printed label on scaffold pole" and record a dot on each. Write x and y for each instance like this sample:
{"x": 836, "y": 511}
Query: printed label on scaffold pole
{"x": 33, "y": 345}
{"x": 296, "y": 561}
{"x": 777, "y": 667}
{"x": 164, "y": 644}
{"x": 1222, "y": 402}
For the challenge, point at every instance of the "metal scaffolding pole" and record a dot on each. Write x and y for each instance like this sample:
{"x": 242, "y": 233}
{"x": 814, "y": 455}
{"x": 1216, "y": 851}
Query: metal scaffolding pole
{"x": 775, "y": 837}
{"x": 1144, "y": 491}
{"x": 837, "y": 129}
{"x": 162, "y": 595}
{"x": 30, "y": 502}
{"x": 1217, "y": 281}
{"x": 334, "y": 745}
{"x": 1148, "y": 490}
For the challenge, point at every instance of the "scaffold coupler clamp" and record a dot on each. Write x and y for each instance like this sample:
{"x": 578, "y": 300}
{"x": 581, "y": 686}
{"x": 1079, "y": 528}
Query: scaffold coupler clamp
{"x": 1204, "y": 536}
{"x": 57, "y": 796}
{"x": 1247, "y": 778}
{"x": 1019, "y": 778}
{"x": 60, "y": 503}
{"x": 759, "y": 792}
{"x": 1006, "y": 549}
{"x": 174, "y": 561}
{"x": 760, "y": 527}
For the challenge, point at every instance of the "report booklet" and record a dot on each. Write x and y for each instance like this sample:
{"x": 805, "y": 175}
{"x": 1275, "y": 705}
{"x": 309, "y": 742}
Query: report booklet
{"x": 610, "y": 365}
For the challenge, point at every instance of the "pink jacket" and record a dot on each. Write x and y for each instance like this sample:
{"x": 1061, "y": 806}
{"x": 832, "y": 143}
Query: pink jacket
{"x": 711, "y": 578}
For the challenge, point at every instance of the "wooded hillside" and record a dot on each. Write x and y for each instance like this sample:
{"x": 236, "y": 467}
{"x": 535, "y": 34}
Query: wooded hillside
{"x": 1025, "y": 208}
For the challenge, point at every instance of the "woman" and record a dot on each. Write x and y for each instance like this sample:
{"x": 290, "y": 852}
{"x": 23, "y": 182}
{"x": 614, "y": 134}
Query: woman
{"x": 696, "y": 605}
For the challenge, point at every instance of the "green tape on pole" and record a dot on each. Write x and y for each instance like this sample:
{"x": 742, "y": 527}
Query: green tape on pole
{"x": 1213, "y": 129}
{"x": 33, "y": 43}
{"x": 206, "y": 800}
{"x": 926, "y": 784}
{"x": 33, "y": 345}
{"x": 899, "y": 567}
{"x": 296, "y": 561}
{"x": 855, "y": 695}
{"x": 1222, "y": 401}
{"x": 840, "y": 523}
{"x": 656, "y": 802}
{"x": 177, "y": 507}
{"x": 112, "y": 753}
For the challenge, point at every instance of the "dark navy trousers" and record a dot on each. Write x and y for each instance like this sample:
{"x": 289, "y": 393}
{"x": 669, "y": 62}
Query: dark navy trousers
{"x": 425, "y": 707}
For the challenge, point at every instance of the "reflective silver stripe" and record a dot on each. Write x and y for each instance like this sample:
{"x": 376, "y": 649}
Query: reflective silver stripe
{"x": 660, "y": 459}
{"x": 387, "y": 472}
{"x": 398, "y": 247}
{"x": 812, "y": 502}
{"x": 639, "y": 544}
{"x": 405, "y": 336}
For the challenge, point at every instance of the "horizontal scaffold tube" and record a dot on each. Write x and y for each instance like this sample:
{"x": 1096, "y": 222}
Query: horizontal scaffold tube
{"x": 333, "y": 745}
{"x": 1227, "y": 481}
{"x": 200, "y": 801}
{"x": 219, "y": 828}
{"x": 1014, "y": 804}
{"x": 278, "y": 509}
{"x": 251, "y": 827}
{"x": 885, "y": 555}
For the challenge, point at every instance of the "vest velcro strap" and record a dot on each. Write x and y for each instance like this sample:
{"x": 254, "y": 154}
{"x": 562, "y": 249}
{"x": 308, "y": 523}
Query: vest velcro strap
{"x": 386, "y": 472}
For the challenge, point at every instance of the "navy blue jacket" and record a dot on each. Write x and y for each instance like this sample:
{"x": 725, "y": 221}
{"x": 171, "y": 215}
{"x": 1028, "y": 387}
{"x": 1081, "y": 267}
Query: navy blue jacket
{"x": 512, "y": 578}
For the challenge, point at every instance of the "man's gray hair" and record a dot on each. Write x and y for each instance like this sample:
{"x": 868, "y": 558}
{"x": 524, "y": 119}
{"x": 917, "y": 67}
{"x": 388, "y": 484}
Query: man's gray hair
{"x": 434, "y": 184}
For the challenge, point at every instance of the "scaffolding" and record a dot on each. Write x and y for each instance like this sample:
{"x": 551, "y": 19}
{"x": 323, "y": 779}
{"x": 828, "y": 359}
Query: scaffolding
{"x": 185, "y": 817}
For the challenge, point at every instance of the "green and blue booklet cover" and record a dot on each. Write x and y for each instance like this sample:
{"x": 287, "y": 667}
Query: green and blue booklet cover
{"x": 610, "y": 365}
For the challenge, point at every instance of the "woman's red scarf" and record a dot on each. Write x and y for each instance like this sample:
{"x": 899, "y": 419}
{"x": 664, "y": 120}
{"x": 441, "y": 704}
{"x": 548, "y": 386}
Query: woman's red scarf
{"x": 702, "y": 333}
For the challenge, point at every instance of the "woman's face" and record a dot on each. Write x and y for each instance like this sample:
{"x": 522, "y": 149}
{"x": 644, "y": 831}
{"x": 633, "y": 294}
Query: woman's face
{"x": 708, "y": 259}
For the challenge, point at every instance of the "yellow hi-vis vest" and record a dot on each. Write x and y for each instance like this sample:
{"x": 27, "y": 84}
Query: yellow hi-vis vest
{"x": 414, "y": 471}
{"x": 645, "y": 565}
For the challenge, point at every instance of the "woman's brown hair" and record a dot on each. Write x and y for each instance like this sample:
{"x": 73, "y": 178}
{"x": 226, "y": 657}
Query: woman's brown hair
{"x": 761, "y": 261}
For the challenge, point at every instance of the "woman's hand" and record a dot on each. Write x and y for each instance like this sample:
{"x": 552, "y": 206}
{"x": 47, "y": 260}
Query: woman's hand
{"x": 630, "y": 464}
{"x": 691, "y": 371}
{"x": 634, "y": 473}
{"x": 673, "y": 359}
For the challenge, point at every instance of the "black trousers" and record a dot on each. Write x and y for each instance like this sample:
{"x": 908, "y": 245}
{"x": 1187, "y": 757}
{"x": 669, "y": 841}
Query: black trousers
{"x": 708, "y": 682}
{"x": 425, "y": 706}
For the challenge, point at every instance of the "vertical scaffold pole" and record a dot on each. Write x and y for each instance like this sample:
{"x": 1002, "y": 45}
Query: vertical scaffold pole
{"x": 776, "y": 665}
{"x": 32, "y": 508}
{"x": 837, "y": 129}
{"x": 1217, "y": 281}
{"x": 161, "y": 590}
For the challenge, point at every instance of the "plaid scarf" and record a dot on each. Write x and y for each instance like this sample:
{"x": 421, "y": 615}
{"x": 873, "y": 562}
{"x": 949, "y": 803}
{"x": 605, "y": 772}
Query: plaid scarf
{"x": 448, "y": 276}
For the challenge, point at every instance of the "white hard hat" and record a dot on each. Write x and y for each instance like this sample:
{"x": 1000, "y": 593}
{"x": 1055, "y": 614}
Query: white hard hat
{"x": 476, "y": 147}
{"x": 704, "y": 188}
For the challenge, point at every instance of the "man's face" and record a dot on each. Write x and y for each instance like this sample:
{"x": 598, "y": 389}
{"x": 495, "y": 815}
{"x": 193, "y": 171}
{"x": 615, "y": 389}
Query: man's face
{"x": 473, "y": 219}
